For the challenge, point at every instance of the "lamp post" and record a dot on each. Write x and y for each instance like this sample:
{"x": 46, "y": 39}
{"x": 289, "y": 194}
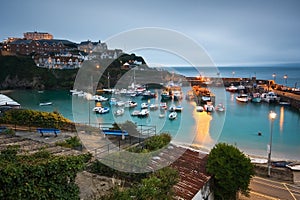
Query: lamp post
{"x": 274, "y": 76}
{"x": 89, "y": 97}
{"x": 285, "y": 79}
{"x": 272, "y": 116}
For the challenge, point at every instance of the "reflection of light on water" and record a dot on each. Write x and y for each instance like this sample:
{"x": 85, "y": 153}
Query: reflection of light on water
{"x": 281, "y": 119}
{"x": 202, "y": 125}
{"x": 231, "y": 97}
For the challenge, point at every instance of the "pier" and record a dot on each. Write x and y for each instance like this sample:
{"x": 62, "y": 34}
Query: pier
{"x": 286, "y": 94}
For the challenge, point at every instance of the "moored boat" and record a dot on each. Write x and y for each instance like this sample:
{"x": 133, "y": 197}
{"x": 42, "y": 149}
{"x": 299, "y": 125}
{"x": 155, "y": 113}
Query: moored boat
{"x": 144, "y": 105}
{"x": 270, "y": 97}
{"x": 172, "y": 115}
{"x": 256, "y": 98}
{"x": 242, "y": 98}
{"x": 46, "y": 103}
{"x": 199, "y": 108}
{"x": 232, "y": 88}
{"x": 209, "y": 107}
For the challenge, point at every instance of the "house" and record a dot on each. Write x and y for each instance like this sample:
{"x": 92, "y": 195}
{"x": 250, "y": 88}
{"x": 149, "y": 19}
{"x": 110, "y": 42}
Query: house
{"x": 194, "y": 182}
{"x": 90, "y": 47}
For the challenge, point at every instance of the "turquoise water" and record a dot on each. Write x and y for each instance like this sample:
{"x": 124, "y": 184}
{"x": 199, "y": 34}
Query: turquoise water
{"x": 239, "y": 125}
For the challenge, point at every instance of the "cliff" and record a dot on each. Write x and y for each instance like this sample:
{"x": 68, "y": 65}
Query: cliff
{"x": 22, "y": 73}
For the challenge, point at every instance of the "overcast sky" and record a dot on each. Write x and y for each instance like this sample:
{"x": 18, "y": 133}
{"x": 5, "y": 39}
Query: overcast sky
{"x": 231, "y": 31}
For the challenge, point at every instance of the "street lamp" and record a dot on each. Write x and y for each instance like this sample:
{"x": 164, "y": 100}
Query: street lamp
{"x": 285, "y": 79}
{"x": 89, "y": 98}
{"x": 272, "y": 116}
{"x": 274, "y": 76}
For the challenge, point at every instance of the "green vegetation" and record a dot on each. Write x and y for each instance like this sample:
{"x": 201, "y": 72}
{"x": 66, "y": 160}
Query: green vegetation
{"x": 40, "y": 175}
{"x": 153, "y": 143}
{"x": 72, "y": 142}
{"x": 152, "y": 185}
{"x": 35, "y": 118}
{"x": 21, "y": 72}
{"x": 158, "y": 185}
{"x": 231, "y": 171}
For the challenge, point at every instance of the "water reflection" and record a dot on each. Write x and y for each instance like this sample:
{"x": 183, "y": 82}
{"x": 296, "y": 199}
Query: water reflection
{"x": 281, "y": 119}
{"x": 201, "y": 129}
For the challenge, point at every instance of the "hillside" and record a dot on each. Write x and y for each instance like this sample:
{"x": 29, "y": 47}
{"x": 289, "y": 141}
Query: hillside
{"x": 22, "y": 73}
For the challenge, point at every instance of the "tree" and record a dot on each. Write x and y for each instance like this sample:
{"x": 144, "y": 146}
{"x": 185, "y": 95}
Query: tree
{"x": 231, "y": 171}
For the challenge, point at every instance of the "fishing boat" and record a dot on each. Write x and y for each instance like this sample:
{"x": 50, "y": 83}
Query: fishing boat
{"x": 270, "y": 97}
{"x": 209, "y": 107}
{"x": 165, "y": 95}
{"x": 172, "y": 115}
{"x": 242, "y": 98}
{"x": 256, "y": 97}
{"x": 46, "y": 103}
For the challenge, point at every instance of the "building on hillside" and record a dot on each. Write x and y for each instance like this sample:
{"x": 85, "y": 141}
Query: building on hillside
{"x": 28, "y": 47}
{"x": 90, "y": 47}
{"x": 63, "y": 60}
{"x": 111, "y": 54}
{"x": 37, "y": 36}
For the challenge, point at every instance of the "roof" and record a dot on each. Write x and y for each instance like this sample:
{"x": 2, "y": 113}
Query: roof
{"x": 49, "y": 42}
{"x": 191, "y": 166}
{"x": 7, "y": 101}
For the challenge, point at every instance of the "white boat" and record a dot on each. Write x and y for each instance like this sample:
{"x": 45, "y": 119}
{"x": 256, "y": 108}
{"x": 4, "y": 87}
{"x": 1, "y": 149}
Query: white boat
{"x": 130, "y": 104}
{"x": 173, "y": 115}
{"x": 144, "y": 105}
{"x": 199, "y": 108}
{"x": 172, "y": 108}
{"x": 119, "y": 112}
{"x": 178, "y": 108}
{"x": 209, "y": 107}
{"x": 46, "y": 103}
{"x": 242, "y": 98}
{"x": 99, "y": 98}
{"x": 295, "y": 167}
{"x": 97, "y": 108}
{"x": 135, "y": 113}
{"x": 232, "y": 88}
{"x": 144, "y": 113}
{"x": 103, "y": 110}
{"x": 220, "y": 107}
{"x": 270, "y": 97}
{"x": 153, "y": 107}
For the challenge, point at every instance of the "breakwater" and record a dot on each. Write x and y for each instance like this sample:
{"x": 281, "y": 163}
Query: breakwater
{"x": 286, "y": 94}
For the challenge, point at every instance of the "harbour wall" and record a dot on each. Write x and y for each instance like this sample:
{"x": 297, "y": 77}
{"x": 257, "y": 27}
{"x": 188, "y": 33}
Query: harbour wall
{"x": 285, "y": 94}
